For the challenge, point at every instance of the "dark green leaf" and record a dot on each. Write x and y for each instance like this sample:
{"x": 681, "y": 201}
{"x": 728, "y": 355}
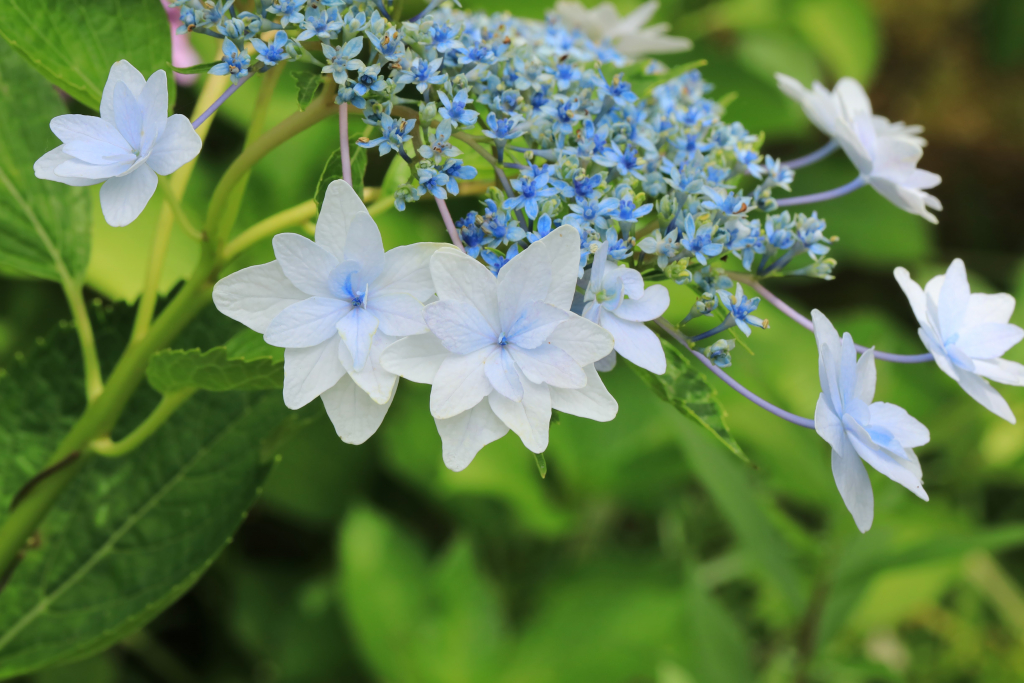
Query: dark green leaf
{"x": 74, "y": 42}
{"x": 197, "y": 69}
{"x": 689, "y": 392}
{"x": 332, "y": 172}
{"x": 44, "y": 225}
{"x": 309, "y": 86}
{"x": 212, "y": 370}
{"x": 714, "y": 647}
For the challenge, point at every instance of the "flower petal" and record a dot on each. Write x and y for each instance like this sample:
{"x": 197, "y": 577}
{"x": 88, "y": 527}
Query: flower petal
{"x": 373, "y": 378}
{"x": 1001, "y": 370}
{"x": 854, "y": 485}
{"x": 120, "y": 72}
{"x": 355, "y": 417}
{"x": 907, "y": 429}
{"x": 153, "y": 104}
{"x": 827, "y": 424}
{"x": 592, "y": 402}
{"x": 548, "y": 364}
{"x": 305, "y": 263}
{"x": 867, "y": 376}
{"x": 416, "y": 358}
{"x": 635, "y": 342}
{"x": 45, "y": 168}
{"x": 583, "y": 340}
{"x": 989, "y": 340}
{"x": 254, "y": 296}
{"x": 914, "y": 293}
{"x": 177, "y": 145}
{"x": 460, "y": 383}
{"x": 407, "y": 269}
{"x": 953, "y": 299}
{"x": 459, "y": 325}
{"x": 563, "y": 254}
{"x": 530, "y": 418}
{"x": 306, "y": 323}
{"x": 653, "y": 303}
{"x": 523, "y": 281}
{"x": 92, "y": 140}
{"x": 458, "y": 277}
{"x": 399, "y": 314}
{"x": 310, "y": 371}
{"x": 464, "y": 435}
{"x": 989, "y": 308}
{"x": 535, "y": 324}
{"x": 904, "y": 470}
{"x": 123, "y": 198}
{"x": 501, "y": 373}
{"x": 357, "y": 330}
{"x": 984, "y": 393}
{"x": 346, "y": 230}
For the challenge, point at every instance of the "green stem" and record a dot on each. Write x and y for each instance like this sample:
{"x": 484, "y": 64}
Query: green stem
{"x": 167, "y": 190}
{"x": 163, "y": 411}
{"x": 289, "y": 218}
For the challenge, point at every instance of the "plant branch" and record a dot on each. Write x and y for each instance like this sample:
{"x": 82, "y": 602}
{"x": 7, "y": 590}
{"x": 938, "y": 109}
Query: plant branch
{"x": 289, "y": 218}
{"x": 168, "y": 405}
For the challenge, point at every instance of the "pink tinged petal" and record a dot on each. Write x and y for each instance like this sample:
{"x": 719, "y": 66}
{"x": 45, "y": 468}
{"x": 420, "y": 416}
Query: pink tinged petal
{"x": 305, "y": 263}
{"x": 464, "y": 435}
{"x": 1001, "y": 370}
{"x": 635, "y": 342}
{"x": 355, "y": 416}
{"x": 521, "y": 282}
{"x": 989, "y": 308}
{"x": 310, "y": 372}
{"x": 458, "y": 277}
{"x": 501, "y": 373}
{"x": 583, "y": 340}
{"x": 854, "y": 485}
{"x": 653, "y": 303}
{"x": 92, "y": 140}
{"x": 120, "y": 72}
{"x": 177, "y": 145}
{"x": 128, "y": 116}
{"x": 548, "y": 364}
{"x": 407, "y": 270}
{"x": 357, "y": 330}
{"x": 123, "y": 198}
{"x": 341, "y": 205}
{"x": 827, "y": 424}
{"x": 153, "y": 101}
{"x": 563, "y": 254}
{"x": 372, "y": 378}
{"x": 460, "y": 327}
{"x": 45, "y": 168}
{"x": 529, "y": 418}
{"x": 903, "y": 469}
{"x": 866, "y": 377}
{"x": 953, "y": 299}
{"x": 415, "y": 358}
{"x": 592, "y": 402}
{"x": 984, "y": 393}
{"x": 399, "y": 315}
{"x": 898, "y": 422}
{"x": 914, "y": 293}
{"x": 535, "y": 324}
{"x": 989, "y": 340}
{"x": 306, "y": 323}
{"x": 254, "y": 296}
{"x": 460, "y": 384}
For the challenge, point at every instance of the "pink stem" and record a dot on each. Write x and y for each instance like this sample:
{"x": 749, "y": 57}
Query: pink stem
{"x": 446, "y": 216}
{"x": 346, "y": 157}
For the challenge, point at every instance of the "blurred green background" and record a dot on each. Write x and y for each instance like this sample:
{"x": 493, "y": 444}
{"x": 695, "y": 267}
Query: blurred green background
{"x": 649, "y": 553}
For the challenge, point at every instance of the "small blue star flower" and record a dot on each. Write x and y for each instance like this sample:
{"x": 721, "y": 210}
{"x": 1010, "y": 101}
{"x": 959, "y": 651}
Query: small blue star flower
{"x": 423, "y": 74}
{"x": 393, "y": 136}
{"x": 440, "y": 147}
{"x": 591, "y": 214}
{"x": 235, "y": 63}
{"x": 741, "y": 309}
{"x": 341, "y": 60}
{"x": 433, "y": 181}
{"x": 666, "y": 248}
{"x": 455, "y": 108}
{"x": 456, "y": 170}
{"x": 443, "y": 38}
{"x": 698, "y": 242}
{"x": 288, "y": 11}
{"x": 628, "y": 212}
{"x": 503, "y": 130}
{"x": 368, "y": 79}
{"x": 496, "y": 261}
{"x": 730, "y": 203}
{"x": 390, "y": 45}
{"x": 323, "y": 25}
{"x": 275, "y": 52}
{"x": 626, "y": 162}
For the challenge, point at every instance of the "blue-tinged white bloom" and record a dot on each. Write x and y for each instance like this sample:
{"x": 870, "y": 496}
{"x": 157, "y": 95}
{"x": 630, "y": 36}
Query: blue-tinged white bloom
{"x": 967, "y": 334}
{"x": 423, "y": 73}
{"x": 455, "y": 108}
{"x": 341, "y": 60}
{"x": 617, "y": 301}
{"x": 456, "y": 170}
{"x": 729, "y": 203}
{"x": 288, "y": 11}
{"x": 698, "y": 241}
{"x": 126, "y": 147}
{"x": 627, "y": 34}
{"x": 275, "y": 52}
{"x": 335, "y": 305}
{"x": 505, "y": 129}
{"x": 741, "y": 309}
{"x": 235, "y": 63}
{"x": 389, "y": 45}
{"x": 666, "y": 247}
{"x": 627, "y": 162}
{"x": 440, "y": 148}
{"x": 880, "y": 434}
{"x": 368, "y": 79}
{"x": 505, "y": 351}
{"x": 323, "y": 25}
{"x": 393, "y": 135}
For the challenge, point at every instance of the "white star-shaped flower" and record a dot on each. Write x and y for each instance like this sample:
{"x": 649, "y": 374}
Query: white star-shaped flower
{"x": 126, "y": 147}
{"x": 880, "y": 434}
{"x": 617, "y": 301}
{"x": 503, "y": 352}
{"x": 334, "y": 305}
{"x": 967, "y": 334}
{"x": 629, "y": 35}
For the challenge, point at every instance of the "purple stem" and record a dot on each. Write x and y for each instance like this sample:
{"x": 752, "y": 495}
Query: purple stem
{"x": 346, "y": 157}
{"x": 446, "y": 216}
{"x": 807, "y": 324}
{"x": 849, "y": 187}
{"x": 220, "y": 100}
{"x": 814, "y": 157}
{"x": 746, "y": 393}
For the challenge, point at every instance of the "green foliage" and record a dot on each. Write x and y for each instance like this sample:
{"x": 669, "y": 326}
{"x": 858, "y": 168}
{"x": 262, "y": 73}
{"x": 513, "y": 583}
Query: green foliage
{"x": 213, "y": 370}
{"x": 73, "y": 43}
{"x": 196, "y": 69}
{"x": 332, "y": 172}
{"x": 688, "y": 391}
{"x": 44, "y": 226}
{"x": 309, "y": 84}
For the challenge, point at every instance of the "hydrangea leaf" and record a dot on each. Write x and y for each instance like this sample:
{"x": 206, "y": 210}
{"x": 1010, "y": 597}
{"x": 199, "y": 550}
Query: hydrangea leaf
{"x": 689, "y": 392}
{"x": 73, "y": 43}
{"x": 197, "y": 69}
{"x": 332, "y": 172}
{"x": 44, "y": 226}
{"x": 309, "y": 85}
{"x": 213, "y": 370}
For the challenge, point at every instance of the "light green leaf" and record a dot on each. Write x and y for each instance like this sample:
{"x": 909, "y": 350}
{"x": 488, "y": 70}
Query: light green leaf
{"x": 197, "y": 69}
{"x": 309, "y": 84}
{"x": 398, "y": 174}
{"x": 332, "y": 172}
{"x": 843, "y": 32}
{"x": 44, "y": 225}
{"x": 689, "y": 392}
{"x": 73, "y": 43}
{"x": 212, "y": 370}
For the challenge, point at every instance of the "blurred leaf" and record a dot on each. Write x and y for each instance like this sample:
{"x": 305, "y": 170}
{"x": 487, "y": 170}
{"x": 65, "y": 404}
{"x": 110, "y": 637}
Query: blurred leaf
{"x": 44, "y": 225}
{"x": 309, "y": 84}
{"x": 714, "y": 647}
{"x": 249, "y": 345}
{"x": 175, "y": 369}
{"x": 689, "y": 392}
{"x": 398, "y": 174}
{"x": 332, "y": 172}
{"x": 763, "y": 54}
{"x": 844, "y": 33}
{"x": 75, "y": 42}
{"x": 197, "y": 69}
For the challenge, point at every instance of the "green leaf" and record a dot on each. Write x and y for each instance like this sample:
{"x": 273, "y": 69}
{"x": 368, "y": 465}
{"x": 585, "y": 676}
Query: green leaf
{"x": 398, "y": 174}
{"x": 844, "y": 34}
{"x": 44, "y": 225}
{"x": 309, "y": 85}
{"x": 197, "y": 69}
{"x": 689, "y": 392}
{"x": 212, "y": 370}
{"x": 713, "y": 644}
{"x": 332, "y": 172}
{"x": 73, "y": 43}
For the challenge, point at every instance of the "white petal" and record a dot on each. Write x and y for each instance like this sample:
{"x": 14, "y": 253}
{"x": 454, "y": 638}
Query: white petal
{"x": 92, "y": 140}
{"x": 458, "y": 277}
{"x": 563, "y": 253}
{"x": 460, "y": 383}
{"x": 583, "y": 340}
{"x": 153, "y": 103}
{"x": 953, "y": 299}
{"x": 310, "y": 372}
{"x": 652, "y": 304}
{"x": 357, "y": 330}
{"x": 938, "y": 352}
{"x": 984, "y": 393}
{"x": 852, "y": 99}
{"x": 416, "y": 358}
{"x": 356, "y": 418}
{"x": 400, "y": 315}
{"x": 529, "y": 418}
{"x": 914, "y": 293}
{"x": 635, "y": 342}
{"x": 854, "y": 485}
{"x": 74, "y": 168}
{"x": 341, "y": 205}
{"x": 523, "y": 281}
{"x": 907, "y": 430}
{"x": 536, "y": 323}
{"x": 989, "y": 340}
{"x": 866, "y": 377}
{"x": 592, "y": 402}
{"x": 464, "y": 435}
{"x": 1001, "y": 370}
{"x": 120, "y": 72}
{"x": 825, "y": 333}
{"x": 254, "y": 296}
{"x": 407, "y": 269}
{"x": 606, "y": 364}
{"x": 848, "y": 373}
{"x": 305, "y": 263}
{"x": 827, "y": 424}
{"x": 176, "y": 146}
{"x": 989, "y": 308}
{"x": 306, "y": 323}
{"x": 45, "y": 168}
{"x": 459, "y": 326}
{"x": 501, "y": 373}
{"x": 901, "y": 470}
{"x": 548, "y": 364}
{"x": 123, "y": 199}
{"x": 372, "y": 378}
